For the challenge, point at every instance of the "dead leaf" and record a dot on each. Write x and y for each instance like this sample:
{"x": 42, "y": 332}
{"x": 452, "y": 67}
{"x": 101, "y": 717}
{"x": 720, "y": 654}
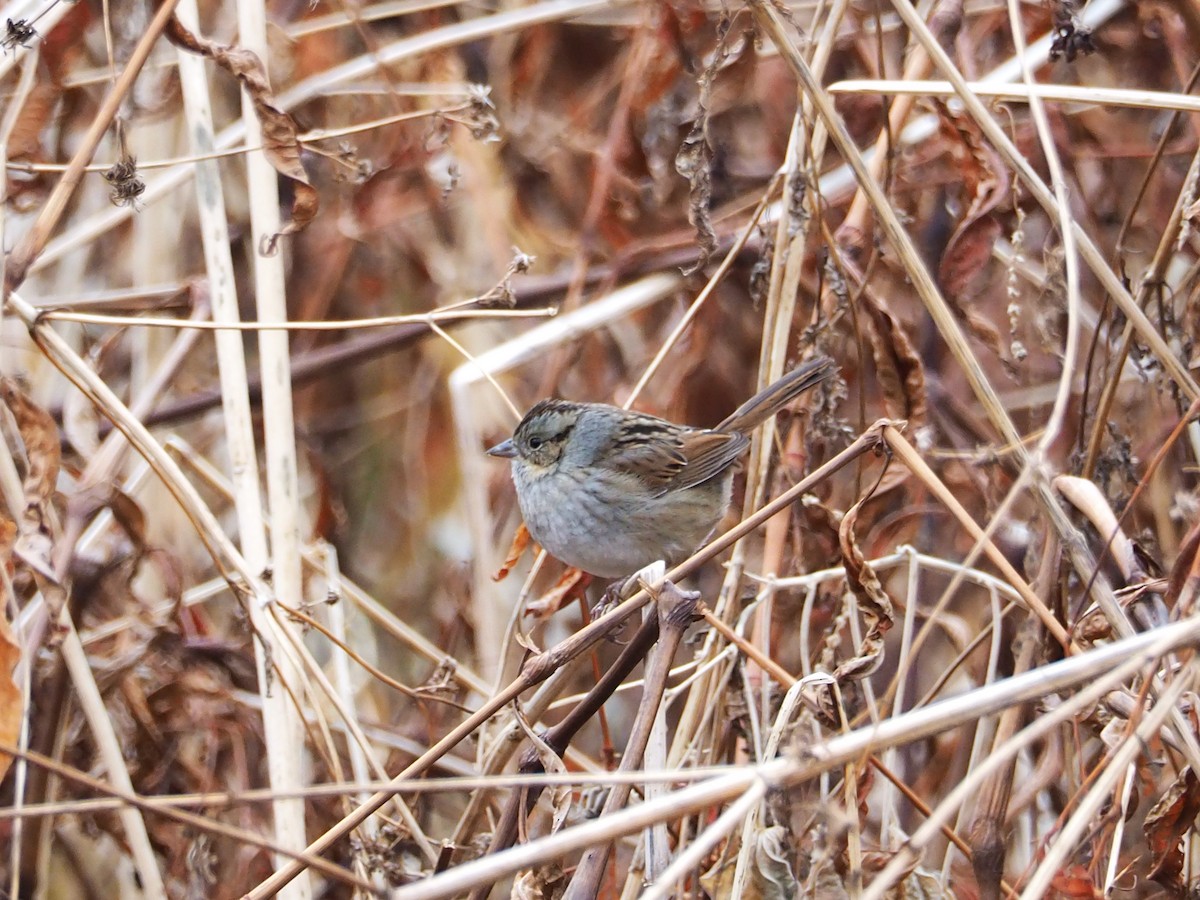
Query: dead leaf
{"x": 572, "y": 584}
{"x": 8, "y": 538}
{"x": 36, "y": 112}
{"x": 718, "y": 880}
{"x": 985, "y": 182}
{"x": 281, "y": 143}
{"x": 42, "y": 109}
{"x": 1074, "y": 882}
{"x": 129, "y": 514}
{"x": 539, "y": 884}
{"x": 521, "y": 540}
{"x": 39, "y": 434}
{"x": 825, "y": 882}
{"x": 694, "y": 160}
{"x": 873, "y": 601}
{"x": 526, "y": 641}
{"x": 38, "y": 528}
{"x": 920, "y": 884}
{"x": 984, "y": 176}
{"x": 1183, "y": 574}
{"x": 12, "y": 706}
{"x": 560, "y": 796}
{"x": 773, "y": 876}
{"x": 1165, "y": 826}
{"x": 898, "y": 366}
{"x": 966, "y": 256}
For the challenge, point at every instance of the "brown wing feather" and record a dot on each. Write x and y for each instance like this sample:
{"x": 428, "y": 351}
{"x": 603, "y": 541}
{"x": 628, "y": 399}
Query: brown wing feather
{"x": 667, "y": 457}
{"x": 656, "y": 462}
{"x": 709, "y": 453}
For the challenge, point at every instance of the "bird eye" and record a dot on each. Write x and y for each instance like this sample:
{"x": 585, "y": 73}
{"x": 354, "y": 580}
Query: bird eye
{"x": 535, "y": 443}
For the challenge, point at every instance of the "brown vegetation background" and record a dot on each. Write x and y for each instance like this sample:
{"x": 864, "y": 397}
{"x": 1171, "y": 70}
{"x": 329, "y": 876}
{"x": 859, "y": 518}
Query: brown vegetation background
{"x": 250, "y": 576}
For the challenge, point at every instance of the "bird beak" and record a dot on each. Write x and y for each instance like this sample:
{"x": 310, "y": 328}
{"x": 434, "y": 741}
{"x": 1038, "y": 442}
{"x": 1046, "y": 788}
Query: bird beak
{"x": 505, "y": 450}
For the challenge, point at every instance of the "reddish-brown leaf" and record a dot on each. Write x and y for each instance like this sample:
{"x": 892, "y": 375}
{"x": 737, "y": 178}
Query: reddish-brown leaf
{"x": 571, "y": 585}
{"x": 985, "y": 183}
{"x": 898, "y": 366}
{"x": 12, "y": 706}
{"x": 8, "y": 540}
{"x": 520, "y": 542}
{"x": 967, "y": 254}
{"x": 1074, "y": 883}
{"x": 1165, "y": 826}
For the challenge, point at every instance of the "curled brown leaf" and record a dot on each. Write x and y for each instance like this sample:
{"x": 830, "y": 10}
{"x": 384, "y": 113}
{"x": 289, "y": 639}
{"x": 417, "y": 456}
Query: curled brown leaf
{"x": 898, "y": 366}
{"x": 872, "y": 600}
{"x": 985, "y": 183}
{"x": 39, "y": 434}
{"x": 1165, "y": 826}
{"x": 281, "y": 142}
{"x": 520, "y": 543}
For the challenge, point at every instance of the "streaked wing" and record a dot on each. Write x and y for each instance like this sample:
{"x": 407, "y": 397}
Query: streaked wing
{"x": 650, "y": 450}
{"x": 666, "y": 457}
{"x": 708, "y": 453}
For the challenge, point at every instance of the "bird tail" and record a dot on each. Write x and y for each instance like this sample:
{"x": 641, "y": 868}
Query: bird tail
{"x": 772, "y": 398}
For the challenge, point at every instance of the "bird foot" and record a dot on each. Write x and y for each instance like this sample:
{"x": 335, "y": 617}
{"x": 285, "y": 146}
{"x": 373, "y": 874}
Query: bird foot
{"x": 624, "y": 588}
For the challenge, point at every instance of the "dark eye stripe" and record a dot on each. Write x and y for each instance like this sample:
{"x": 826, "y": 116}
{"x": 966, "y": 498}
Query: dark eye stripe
{"x": 536, "y": 442}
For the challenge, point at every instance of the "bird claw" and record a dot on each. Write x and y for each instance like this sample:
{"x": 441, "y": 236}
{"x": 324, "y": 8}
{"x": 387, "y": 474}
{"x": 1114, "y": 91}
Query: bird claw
{"x": 609, "y": 599}
{"x": 624, "y": 588}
